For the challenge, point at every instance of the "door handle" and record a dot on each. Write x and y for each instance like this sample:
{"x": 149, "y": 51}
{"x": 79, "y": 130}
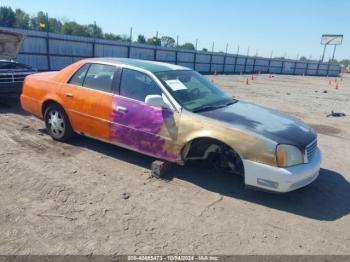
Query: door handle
{"x": 69, "y": 95}
{"x": 122, "y": 109}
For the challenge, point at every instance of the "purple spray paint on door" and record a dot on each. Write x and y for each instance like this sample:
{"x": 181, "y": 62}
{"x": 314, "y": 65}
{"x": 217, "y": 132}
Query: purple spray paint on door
{"x": 139, "y": 127}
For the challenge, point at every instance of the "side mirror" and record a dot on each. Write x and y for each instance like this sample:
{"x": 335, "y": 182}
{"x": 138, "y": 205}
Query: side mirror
{"x": 156, "y": 100}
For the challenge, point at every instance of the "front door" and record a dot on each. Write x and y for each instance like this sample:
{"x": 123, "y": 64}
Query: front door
{"x": 144, "y": 128}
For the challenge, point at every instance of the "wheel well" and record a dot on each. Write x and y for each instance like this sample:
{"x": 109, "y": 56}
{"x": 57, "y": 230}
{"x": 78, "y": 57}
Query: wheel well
{"x": 201, "y": 148}
{"x": 46, "y": 104}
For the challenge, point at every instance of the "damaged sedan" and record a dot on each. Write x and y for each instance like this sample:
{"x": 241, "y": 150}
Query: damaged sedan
{"x": 173, "y": 113}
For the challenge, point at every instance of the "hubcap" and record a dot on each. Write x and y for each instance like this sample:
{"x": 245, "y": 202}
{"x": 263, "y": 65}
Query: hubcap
{"x": 56, "y": 123}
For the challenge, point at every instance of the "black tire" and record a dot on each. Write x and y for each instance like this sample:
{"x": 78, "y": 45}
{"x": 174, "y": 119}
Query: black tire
{"x": 57, "y": 123}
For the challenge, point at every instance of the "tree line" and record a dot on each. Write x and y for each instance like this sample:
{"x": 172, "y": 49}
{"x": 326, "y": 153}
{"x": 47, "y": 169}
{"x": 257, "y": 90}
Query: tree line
{"x": 19, "y": 19}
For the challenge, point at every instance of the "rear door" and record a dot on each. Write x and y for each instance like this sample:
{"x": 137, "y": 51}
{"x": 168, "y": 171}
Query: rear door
{"x": 89, "y": 96}
{"x": 145, "y": 128}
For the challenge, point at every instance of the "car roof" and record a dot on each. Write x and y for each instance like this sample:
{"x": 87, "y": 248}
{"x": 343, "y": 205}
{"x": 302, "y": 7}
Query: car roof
{"x": 151, "y": 66}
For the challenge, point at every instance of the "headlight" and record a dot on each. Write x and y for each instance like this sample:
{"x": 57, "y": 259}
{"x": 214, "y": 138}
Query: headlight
{"x": 288, "y": 155}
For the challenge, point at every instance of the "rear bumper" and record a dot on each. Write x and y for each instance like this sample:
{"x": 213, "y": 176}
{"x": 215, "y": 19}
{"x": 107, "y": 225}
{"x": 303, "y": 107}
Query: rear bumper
{"x": 281, "y": 179}
{"x": 11, "y": 88}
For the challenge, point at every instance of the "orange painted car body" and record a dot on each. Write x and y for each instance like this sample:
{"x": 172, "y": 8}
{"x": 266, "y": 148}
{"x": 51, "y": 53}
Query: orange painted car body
{"x": 53, "y": 86}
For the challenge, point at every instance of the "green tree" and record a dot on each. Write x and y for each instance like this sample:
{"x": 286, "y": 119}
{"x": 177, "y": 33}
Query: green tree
{"x": 167, "y": 41}
{"x": 55, "y": 25}
{"x": 7, "y": 17}
{"x": 21, "y": 19}
{"x": 68, "y": 28}
{"x": 125, "y": 38}
{"x": 188, "y": 46}
{"x": 35, "y": 21}
{"x": 205, "y": 50}
{"x": 95, "y": 30}
{"x": 110, "y": 36}
{"x": 73, "y": 28}
{"x": 141, "y": 39}
{"x": 154, "y": 41}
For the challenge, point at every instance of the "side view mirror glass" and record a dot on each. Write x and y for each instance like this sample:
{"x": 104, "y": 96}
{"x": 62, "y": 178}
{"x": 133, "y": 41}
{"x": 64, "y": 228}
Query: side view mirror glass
{"x": 156, "y": 100}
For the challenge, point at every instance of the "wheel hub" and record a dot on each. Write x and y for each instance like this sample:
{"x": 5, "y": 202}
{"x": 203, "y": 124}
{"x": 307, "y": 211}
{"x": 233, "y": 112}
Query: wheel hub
{"x": 56, "y": 122}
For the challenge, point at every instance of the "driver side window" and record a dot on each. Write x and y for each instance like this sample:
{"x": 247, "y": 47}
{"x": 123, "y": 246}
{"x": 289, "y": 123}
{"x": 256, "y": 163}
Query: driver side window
{"x": 137, "y": 85}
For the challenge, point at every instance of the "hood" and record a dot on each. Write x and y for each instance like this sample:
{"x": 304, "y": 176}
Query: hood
{"x": 10, "y": 43}
{"x": 277, "y": 126}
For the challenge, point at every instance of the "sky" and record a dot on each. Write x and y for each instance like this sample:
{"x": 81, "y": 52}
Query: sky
{"x": 290, "y": 28}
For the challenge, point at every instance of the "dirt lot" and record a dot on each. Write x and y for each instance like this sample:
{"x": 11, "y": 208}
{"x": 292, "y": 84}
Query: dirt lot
{"x": 58, "y": 198}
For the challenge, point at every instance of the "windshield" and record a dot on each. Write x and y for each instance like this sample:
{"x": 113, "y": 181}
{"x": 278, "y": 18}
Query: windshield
{"x": 193, "y": 91}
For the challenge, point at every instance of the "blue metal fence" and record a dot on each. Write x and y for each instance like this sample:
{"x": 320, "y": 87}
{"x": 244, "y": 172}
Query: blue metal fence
{"x": 50, "y": 51}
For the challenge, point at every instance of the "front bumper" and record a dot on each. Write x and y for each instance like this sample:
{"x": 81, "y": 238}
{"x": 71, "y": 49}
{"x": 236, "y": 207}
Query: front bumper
{"x": 281, "y": 179}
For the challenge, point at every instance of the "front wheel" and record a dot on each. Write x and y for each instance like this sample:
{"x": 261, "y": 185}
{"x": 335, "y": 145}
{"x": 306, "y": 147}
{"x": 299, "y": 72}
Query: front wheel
{"x": 57, "y": 123}
{"x": 227, "y": 160}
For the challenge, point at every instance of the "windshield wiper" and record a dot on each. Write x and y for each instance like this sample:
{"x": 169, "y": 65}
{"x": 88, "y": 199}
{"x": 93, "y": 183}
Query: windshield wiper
{"x": 231, "y": 102}
{"x": 212, "y": 107}
{"x": 205, "y": 108}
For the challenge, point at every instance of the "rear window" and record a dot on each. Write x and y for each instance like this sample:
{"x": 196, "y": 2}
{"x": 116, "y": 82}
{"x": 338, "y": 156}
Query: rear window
{"x": 100, "y": 77}
{"x": 79, "y": 76}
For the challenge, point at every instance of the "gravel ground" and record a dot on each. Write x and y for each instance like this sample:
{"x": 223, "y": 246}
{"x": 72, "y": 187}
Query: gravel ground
{"x": 86, "y": 196}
